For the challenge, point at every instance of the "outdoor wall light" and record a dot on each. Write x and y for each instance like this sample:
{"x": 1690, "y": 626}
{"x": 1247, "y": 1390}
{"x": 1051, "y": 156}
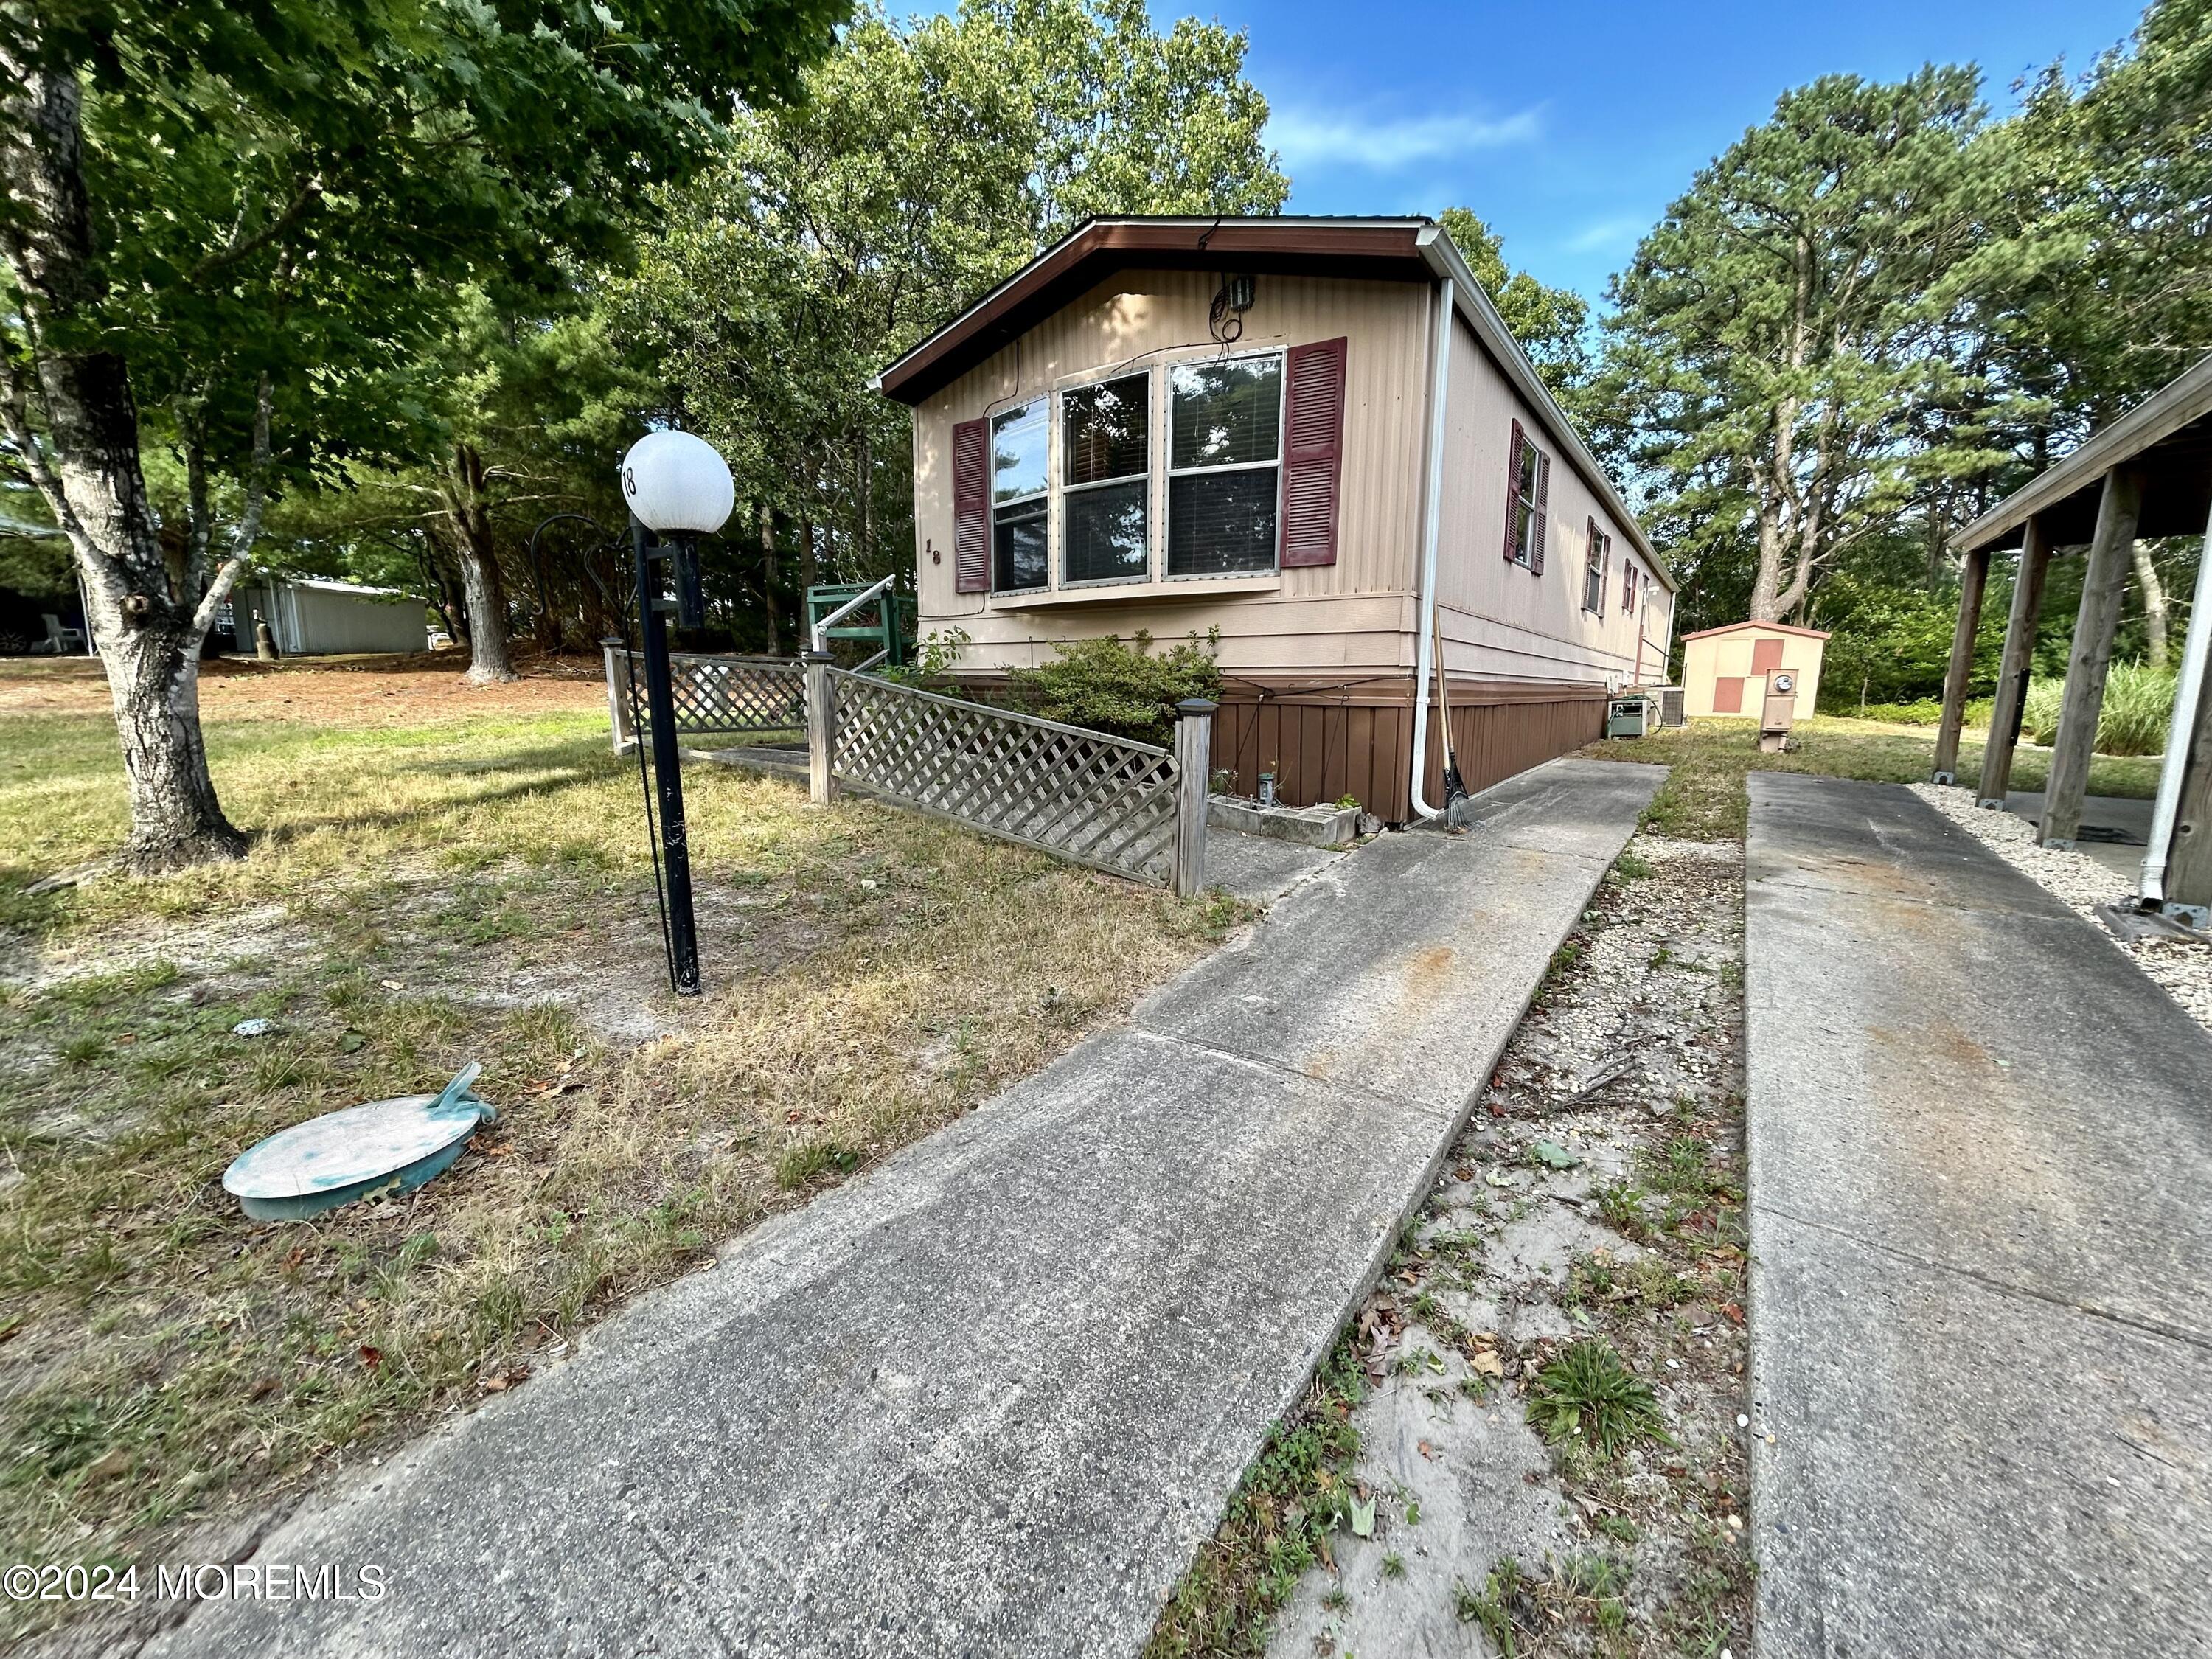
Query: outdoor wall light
{"x": 678, "y": 489}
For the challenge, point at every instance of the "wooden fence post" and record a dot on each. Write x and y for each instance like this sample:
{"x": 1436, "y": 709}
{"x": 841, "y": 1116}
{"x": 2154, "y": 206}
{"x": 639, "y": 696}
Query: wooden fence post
{"x": 2090, "y": 657}
{"x": 617, "y": 693}
{"x": 1973, "y": 578}
{"x": 821, "y": 730}
{"x": 1194, "y": 754}
{"x": 2012, "y": 672}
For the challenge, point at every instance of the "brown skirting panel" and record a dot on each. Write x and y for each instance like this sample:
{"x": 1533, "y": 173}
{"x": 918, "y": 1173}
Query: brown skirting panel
{"x": 1326, "y": 743}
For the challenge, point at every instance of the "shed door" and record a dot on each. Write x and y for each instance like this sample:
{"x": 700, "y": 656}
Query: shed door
{"x": 1765, "y": 656}
{"x": 1728, "y": 694}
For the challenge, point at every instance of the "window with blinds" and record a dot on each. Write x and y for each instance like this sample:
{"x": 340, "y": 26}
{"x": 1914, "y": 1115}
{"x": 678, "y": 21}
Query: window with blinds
{"x": 1020, "y": 440}
{"x": 1225, "y": 464}
{"x": 1105, "y": 479}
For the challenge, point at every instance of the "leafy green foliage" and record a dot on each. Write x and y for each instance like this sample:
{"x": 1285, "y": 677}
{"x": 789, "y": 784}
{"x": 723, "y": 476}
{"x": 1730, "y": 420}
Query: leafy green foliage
{"x": 1789, "y": 354}
{"x": 1128, "y": 689}
{"x": 1552, "y": 324}
{"x": 1589, "y": 1393}
{"x": 2137, "y": 708}
{"x": 930, "y": 158}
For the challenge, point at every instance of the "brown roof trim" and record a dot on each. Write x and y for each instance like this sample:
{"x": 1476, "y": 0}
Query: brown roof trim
{"x": 1737, "y": 628}
{"x": 1384, "y": 249}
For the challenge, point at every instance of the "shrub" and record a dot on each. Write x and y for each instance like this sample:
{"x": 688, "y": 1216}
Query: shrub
{"x": 1926, "y": 712}
{"x": 1130, "y": 691}
{"x": 2138, "y": 707}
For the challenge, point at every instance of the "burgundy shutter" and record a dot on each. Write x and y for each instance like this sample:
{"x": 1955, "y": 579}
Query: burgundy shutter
{"x": 1543, "y": 501}
{"x": 971, "y": 508}
{"x": 1313, "y": 452}
{"x": 1513, "y": 496}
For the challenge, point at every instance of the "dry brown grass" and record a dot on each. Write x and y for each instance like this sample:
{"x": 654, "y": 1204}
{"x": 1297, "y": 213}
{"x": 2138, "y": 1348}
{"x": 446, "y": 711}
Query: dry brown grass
{"x": 421, "y": 895}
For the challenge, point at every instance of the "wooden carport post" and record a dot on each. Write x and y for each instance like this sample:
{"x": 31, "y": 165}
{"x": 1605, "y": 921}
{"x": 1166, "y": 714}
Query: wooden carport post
{"x": 2019, "y": 659}
{"x": 1973, "y": 580}
{"x": 2091, "y": 657}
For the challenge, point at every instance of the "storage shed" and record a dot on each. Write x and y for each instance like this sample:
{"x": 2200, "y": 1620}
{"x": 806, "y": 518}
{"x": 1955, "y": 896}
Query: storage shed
{"x": 1725, "y": 669}
{"x": 311, "y": 615}
{"x": 1313, "y": 438}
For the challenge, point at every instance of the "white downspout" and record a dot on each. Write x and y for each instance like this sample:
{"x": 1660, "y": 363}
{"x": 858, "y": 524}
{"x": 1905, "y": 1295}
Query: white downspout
{"x": 2188, "y": 699}
{"x": 1432, "y": 528}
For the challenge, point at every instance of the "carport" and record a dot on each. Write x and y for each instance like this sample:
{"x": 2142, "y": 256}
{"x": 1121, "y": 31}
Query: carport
{"x": 2148, "y": 474}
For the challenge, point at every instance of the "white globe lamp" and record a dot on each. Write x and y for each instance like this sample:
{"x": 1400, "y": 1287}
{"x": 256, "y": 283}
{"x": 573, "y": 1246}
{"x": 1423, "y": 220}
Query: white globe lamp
{"x": 676, "y": 485}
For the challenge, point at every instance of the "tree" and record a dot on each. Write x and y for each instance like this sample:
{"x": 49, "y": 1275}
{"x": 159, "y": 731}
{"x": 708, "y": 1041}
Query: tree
{"x": 2104, "y": 264}
{"x": 229, "y": 230}
{"x": 1792, "y": 351}
{"x": 1552, "y": 324}
{"x": 929, "y": 159}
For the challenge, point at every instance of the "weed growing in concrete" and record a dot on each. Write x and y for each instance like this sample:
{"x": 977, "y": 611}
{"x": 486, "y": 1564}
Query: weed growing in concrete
{"x": 1588, "y": 1393}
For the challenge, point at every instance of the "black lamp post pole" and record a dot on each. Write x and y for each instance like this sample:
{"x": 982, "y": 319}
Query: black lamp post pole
{"x": 667, "y": 775}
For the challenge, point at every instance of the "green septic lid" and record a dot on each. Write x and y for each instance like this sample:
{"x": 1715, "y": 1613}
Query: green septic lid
{"x": 383, "y": 1146}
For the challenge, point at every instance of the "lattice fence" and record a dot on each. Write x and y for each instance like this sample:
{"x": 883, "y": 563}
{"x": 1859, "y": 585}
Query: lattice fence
{"x": 713, "y": 694}
{"x": 1085, "y": 796}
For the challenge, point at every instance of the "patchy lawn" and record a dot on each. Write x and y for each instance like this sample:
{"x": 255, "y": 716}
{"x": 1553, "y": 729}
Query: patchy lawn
{"x": 1704, "y": 797}
{"x": 439, "y": 876}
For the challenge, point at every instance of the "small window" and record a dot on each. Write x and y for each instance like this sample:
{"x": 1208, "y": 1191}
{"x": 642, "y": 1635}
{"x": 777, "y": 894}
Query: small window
{"x": 1628, "y": 575}
{"x": 1529, "y": 478}
{"x": 1018, "y": 473}
{"x": 1106, "y": 464}
{"x": 1596, "y": 562}
{"x": 1225, "y": 465}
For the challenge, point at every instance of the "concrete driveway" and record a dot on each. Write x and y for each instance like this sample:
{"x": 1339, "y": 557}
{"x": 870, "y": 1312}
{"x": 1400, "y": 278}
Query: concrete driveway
{"x": 1981, "y": 1148}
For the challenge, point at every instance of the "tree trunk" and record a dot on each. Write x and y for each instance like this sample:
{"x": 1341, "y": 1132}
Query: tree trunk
{"x": 149, "y": 627}
{"x": 153, "y": 676}
{"x": 484, "y": 591}
{"x": 2154, "y": 605}
{"x": 768, "y": 577}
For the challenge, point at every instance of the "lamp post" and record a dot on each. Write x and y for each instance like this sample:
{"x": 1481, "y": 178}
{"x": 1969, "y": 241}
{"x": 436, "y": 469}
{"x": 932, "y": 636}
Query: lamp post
{"x": 678, "y": 489}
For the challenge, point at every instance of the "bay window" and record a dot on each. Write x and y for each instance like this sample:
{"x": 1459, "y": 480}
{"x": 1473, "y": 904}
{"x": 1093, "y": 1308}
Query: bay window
{"x": 1225, "y": 465}
{"x": 1106, "y": 480}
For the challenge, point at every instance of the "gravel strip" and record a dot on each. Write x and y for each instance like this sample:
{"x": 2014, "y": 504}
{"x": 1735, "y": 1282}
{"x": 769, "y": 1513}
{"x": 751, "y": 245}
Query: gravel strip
{"x": 2182, "y": 966}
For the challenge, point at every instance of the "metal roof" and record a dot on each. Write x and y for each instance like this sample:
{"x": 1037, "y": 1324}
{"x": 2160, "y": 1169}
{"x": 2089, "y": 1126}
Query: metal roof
{"x": 2168, "y": 434}
{"x": 1400, "y": 249}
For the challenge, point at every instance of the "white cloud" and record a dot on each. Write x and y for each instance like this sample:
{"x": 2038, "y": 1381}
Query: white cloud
{"x": 1322, "y": 139}
{"x": 1602, "y": 234}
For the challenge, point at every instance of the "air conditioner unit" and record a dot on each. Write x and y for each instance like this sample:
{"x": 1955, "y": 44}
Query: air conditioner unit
{"x": 1670, "y": 706}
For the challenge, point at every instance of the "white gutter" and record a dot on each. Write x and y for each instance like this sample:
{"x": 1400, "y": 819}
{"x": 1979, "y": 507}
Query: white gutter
{"x": 2181, "y": 732}
{"x": 1432, "y": 530}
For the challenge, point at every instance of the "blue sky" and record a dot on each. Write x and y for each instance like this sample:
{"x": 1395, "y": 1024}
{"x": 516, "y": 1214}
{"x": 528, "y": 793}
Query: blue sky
{"x": 1569, "y": 125}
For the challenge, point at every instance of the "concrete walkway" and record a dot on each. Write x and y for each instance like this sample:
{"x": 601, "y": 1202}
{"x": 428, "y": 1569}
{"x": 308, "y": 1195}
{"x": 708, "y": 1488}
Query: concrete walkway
{"x": 989, "y": 1398}
{"x": 1981, "y": 1153}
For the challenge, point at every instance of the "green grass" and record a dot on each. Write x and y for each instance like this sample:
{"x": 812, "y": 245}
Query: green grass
{"x": 1588, "y": 1394}
{"x": 1704, "y": 798}
{"x": 870, "y": 975}
{"x": 2132, "y": 720}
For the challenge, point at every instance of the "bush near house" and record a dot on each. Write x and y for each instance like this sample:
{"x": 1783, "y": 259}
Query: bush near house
{"x": 1130, "y": 691}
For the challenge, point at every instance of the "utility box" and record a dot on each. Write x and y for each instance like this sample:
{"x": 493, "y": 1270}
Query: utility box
{"x": 1777, "y": 713}
{"x": 1629, "y": 717}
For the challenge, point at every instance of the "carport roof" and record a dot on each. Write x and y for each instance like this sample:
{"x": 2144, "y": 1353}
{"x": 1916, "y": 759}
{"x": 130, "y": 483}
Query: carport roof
{"x": 2168, "y": 435}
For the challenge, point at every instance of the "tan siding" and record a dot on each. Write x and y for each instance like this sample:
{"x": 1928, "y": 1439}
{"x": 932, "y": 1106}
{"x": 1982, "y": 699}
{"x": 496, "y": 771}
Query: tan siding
{"x": 1499, "y": 619}
{"x": 1164, "y": 312}
{"x": 1728, "y": 655}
